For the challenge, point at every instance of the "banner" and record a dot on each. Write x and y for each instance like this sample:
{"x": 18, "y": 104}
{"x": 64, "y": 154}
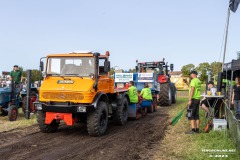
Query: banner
{"x": 123, "y": 77}
{"x": 145, "y": 77}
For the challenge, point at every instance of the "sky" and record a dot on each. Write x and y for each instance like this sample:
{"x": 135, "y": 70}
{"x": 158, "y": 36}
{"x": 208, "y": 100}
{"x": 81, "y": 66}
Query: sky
{"x": 182, "y": 32}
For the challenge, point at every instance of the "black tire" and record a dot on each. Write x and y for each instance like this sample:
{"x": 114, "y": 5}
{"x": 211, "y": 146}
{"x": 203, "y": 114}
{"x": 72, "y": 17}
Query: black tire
{"x": 24, "y": 104}
{"x": 12, "y": 113}
{"x": 150, "y": 109}
{"x": 24, "y": 101}
{"x": 174, "y": 96}
{"x": 121, "y": 114}
{"x": 97, "y": 120}
{"x": 154, "y": 104}
{"x": 46, "y": 128}
{"x": 165, "y": 95}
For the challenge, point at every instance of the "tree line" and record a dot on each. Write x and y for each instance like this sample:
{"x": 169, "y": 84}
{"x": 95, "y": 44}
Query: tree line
{"x": 203, "y": 69}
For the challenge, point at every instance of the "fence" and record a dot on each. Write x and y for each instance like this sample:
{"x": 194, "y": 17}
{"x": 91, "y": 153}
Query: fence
{"x": 233, "y": 126}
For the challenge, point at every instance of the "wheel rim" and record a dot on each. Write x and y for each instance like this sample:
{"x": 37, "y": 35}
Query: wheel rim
{"x": 102, "y": 119}
{"x": 14, "y": 114}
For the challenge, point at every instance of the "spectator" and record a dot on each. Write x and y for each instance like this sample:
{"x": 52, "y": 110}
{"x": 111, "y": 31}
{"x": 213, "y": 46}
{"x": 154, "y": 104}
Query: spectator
{"x": 204, "y": 104}
{"x": 16, "y": 76}
{"x": 236, "y": 97}
{"x": 146, "y": 92}
{"x": 194, "y": 102}
{"x": 133, "y": 93}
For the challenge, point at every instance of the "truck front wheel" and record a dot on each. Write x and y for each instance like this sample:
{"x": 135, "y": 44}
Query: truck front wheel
{"x": 97, "y": 120}
{"x": 46, "y": 128}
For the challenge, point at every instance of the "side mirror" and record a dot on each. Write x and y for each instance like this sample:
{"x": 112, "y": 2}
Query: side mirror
{"x": 171, "y": 67}
{"x": 106, "y": 66}
{"x": 41, "y": 65}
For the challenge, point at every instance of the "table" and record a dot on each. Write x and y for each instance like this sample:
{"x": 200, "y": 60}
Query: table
{"x": 212, "y": 110}
{"x": 216, "y": 99}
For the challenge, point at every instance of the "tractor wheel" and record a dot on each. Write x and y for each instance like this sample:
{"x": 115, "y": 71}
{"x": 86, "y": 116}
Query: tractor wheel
{"x": 12, "y": 113}
{"x": 46, "y": 128}
{"x": 165, "y": 94}
{"x": 97, "y": 120}
{"x": 33, "y": 97}
{"x": 174, "y": 96}
{"x": 121, "y": 114}
{"x": 150, "y": 109}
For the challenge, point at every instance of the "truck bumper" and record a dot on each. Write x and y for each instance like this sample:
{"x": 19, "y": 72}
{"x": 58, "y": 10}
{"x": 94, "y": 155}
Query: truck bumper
{"x": 64, "y": 108}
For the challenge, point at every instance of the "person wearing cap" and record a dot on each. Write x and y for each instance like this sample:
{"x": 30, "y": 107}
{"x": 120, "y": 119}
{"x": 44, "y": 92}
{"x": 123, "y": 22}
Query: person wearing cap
{"x": 204, "y": 104}
{"x": 132, "y": 93}
{"x": 146, "y": 92}
{"x": 16, "y": 76}
{"x": 194, "y": 102}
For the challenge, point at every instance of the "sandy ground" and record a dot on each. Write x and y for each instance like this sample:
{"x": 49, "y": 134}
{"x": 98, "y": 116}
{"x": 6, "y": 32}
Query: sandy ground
{"x": 138, "y": 139}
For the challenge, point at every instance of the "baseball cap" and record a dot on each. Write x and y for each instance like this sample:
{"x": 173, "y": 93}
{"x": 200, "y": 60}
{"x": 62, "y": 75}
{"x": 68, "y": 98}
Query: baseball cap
{"x": 193, "y": 72}
{"x": 15, "y": 66}
{"x": 211, "y": 82}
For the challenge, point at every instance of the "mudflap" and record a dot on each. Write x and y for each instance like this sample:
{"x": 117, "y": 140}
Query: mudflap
{"x": 67, "y": 117}
{"x": 132, "y": 111}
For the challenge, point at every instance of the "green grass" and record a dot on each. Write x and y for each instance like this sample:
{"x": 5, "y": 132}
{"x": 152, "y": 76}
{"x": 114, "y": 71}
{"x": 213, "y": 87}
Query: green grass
{"x": 178, "y": 145}
{"x": 21, "y": 122}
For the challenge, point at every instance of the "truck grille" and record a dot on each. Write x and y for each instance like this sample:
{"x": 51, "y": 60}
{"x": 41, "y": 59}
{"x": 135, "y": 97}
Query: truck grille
{"x": 62, "y": 96}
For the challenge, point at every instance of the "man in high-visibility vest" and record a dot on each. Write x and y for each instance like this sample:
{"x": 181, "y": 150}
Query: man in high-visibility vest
{"x": 132, "y": 93}
{"x": 146, "y": 92}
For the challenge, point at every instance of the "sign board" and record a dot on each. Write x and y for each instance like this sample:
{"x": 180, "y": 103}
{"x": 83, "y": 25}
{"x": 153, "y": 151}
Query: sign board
{"x": 123, "y": 77}
{"x": 145, "y": 77}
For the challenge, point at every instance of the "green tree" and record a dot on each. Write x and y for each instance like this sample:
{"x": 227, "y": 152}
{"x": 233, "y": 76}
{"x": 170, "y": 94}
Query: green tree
{"x": 202, "y": 69}
{"x": 132, "y": 70}
{"x": 187, "y": 69}
{"x": 36, "y": 75}
{"x": 112, "y": 70}
{"x": 216, "y": 67}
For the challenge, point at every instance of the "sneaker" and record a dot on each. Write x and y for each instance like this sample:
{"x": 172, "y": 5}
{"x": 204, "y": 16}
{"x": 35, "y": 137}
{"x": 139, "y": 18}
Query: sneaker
{"x": 190, "y": 132}
{"x": 197, "y": 131}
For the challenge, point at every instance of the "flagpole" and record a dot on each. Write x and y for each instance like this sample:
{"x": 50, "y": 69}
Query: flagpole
{"x": 226, "y": 36}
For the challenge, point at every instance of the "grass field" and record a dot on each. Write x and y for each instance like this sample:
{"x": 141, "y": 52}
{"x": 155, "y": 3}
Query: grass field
{"x": 6, "y": 125}
{"x": 178, "y": 145}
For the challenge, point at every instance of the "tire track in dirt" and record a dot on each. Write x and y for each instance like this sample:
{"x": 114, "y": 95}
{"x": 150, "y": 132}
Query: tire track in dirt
{"x": 136, "y": 140}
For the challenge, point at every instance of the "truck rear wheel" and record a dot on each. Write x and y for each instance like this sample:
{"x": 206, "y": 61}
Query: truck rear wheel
{"x": 165, "y": 95}
{"x": 154, "y": 104}
{"x": 46, "y": 128}
{"x": 121, "y": 114}
{"x": 97, "y": 120}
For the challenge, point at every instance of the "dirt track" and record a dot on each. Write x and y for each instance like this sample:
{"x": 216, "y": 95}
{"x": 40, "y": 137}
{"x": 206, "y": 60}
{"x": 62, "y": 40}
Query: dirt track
{"x": 138, "y": 139}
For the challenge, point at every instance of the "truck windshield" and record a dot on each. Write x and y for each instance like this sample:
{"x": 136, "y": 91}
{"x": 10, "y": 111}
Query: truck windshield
{"x": 69, "y": 66}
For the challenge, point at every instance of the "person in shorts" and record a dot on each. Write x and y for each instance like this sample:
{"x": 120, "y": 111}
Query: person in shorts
{"x": 204, "y": 104}
{"x": 194, "y": 102}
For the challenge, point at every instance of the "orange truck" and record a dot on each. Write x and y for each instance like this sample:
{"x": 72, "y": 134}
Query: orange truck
{"x": 77, "y": 87}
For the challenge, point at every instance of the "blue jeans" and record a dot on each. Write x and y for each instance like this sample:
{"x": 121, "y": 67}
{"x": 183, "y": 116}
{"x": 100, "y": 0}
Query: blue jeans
{"x": 237, "y": 107}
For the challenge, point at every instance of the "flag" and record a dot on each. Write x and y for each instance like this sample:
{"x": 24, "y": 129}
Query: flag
{"x": 233, "y": 5}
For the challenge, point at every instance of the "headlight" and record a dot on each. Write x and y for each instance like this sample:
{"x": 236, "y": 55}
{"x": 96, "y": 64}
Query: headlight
{"x": 38, "y": 106}
{"x": 81, "y": 109}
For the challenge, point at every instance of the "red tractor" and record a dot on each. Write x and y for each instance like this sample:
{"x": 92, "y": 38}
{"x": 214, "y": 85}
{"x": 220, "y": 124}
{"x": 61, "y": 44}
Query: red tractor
{"x": 166, "y": 95}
